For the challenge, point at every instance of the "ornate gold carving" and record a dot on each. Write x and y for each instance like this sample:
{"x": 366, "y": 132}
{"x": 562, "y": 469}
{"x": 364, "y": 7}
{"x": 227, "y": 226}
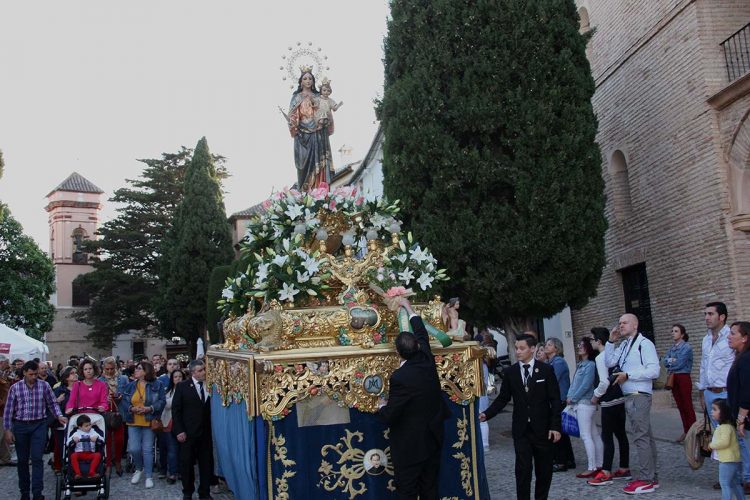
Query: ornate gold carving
{"x": 343, "y": 383}
{"x": 280, "y": 451}
{"x": 292, "y": 376}
{"x": 461, "y": 375}
{"x": 352, "y": 466}
{"x": 232, "y": 379}
{"x": 466, "y": 477}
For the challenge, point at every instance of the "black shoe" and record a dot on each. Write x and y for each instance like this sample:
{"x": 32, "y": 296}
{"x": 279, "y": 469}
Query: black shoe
{"x": 570, "y": 465}
{"x": 40, "y": 497}
{"x": 717, "y": 486}
{"x": 187, "y": 497}
{"x": 209, "y": 497}
{"x": 25, "y": 496}
{"x": 559, "y": 468}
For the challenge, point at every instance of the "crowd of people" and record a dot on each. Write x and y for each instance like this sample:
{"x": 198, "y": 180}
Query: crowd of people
{"x": 615, "y": 372}
{"x": 151, "y": 408}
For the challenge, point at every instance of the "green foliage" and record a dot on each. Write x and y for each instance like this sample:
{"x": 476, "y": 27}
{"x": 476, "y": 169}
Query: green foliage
{"x": 27, "y": 280}
{"x": 215, "y": 286}
{"x": 490, "y": 145}
{"x": 199, "y": 240}
{"x": 127, "y": 257}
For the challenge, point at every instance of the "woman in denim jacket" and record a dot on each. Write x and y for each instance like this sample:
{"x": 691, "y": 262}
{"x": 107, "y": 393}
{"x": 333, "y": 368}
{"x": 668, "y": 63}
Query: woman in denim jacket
{"x": 580, "y": 393}
{"x": 679, "y": 361}
{"x": 142, "y": 401}
{"x": 116, "y": 384}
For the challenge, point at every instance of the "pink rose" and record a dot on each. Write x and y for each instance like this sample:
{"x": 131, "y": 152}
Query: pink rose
{"x": 267, "y": 204}
{"x": 332, "y": 205}
{"x": 320, "y": 193}
{"x": 359, "y": 200}
{"x": 395, "y": 291}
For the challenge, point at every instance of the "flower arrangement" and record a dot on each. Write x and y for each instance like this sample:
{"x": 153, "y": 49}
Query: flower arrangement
{"x": 281, "y": 261}
{"x": 408, "y": 266}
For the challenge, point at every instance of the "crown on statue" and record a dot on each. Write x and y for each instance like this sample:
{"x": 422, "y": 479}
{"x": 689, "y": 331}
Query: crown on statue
{"x": 305, "y": 69}
{"x": 325, "y": 81}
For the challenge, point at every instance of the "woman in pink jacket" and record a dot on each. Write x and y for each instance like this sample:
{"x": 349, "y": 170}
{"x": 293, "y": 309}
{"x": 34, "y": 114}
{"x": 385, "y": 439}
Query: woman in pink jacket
{"x": 89, "y": 392}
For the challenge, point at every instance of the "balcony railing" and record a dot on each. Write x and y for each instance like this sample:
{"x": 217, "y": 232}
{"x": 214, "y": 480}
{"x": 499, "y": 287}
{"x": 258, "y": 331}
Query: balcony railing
{"x": 737, "y": 53}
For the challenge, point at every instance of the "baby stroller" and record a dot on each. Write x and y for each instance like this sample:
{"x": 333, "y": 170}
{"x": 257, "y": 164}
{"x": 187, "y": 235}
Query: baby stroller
{"x": 67, "y": 484}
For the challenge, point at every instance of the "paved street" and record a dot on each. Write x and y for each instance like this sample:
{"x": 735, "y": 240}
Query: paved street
{"x": 677, "y": 480}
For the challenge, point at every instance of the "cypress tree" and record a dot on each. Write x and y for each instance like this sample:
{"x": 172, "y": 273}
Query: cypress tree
{"x": 490, "y": 145}
{"x": 199, "y": 241}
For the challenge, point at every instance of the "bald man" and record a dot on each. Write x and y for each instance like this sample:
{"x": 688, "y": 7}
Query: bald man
{"x": 637, "y": 366}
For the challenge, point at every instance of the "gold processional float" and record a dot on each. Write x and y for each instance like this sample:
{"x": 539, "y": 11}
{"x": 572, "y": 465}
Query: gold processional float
{"x": 307, "y": 331}
{"x": 334, "y": 336}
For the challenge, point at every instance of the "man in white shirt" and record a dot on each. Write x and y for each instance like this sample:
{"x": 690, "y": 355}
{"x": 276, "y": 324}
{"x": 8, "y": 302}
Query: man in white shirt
{"x": 716, "y": 360}
{"x": 716, "y": 356}
{"x": 639, "y": 366}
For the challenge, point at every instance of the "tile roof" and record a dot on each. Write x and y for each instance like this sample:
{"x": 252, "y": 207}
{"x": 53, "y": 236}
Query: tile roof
{"x": 78, "y": 184}
{"x": 248, "y": 212}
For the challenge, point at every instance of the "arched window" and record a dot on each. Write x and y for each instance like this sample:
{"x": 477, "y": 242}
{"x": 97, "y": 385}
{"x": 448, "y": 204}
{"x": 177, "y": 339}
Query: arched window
{"x": 618, "y": 167}
{"x": 584, "y": 24}
{"x": 79, "y": 254}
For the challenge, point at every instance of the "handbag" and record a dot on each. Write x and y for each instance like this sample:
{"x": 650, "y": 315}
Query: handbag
{"x": 156, "y": 425}
{"x": 670, "y": 381}
{"x": 693, "y": 452}
{"x": 703, "y": 436}
{"x": 112, "y": 419}
{"x": 570, "y": 422}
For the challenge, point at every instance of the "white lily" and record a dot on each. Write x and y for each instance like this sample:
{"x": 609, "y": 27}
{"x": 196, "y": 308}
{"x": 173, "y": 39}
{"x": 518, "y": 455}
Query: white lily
{"x": 418, "y": 254}
{"x": 294, "y": 211}
{"x": 401, "y": 258}
{"x": 311, "y": 265}
{"x": 280, "y": 260}
{"x": 302, "y": 277}
{"x": 227, "y": 293}
{"x": 406, "y": 275}
{"x": 288, "y": 292}
{"x": 425, "y": 281}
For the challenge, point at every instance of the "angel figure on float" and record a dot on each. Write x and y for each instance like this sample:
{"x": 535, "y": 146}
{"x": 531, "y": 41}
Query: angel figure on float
{"x": 312, "y": 148}
{"x": 456, "y": 327}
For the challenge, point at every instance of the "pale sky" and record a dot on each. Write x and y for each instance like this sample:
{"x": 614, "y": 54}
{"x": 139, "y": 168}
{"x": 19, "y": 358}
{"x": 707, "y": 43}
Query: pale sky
{"x": 91, "y": 86}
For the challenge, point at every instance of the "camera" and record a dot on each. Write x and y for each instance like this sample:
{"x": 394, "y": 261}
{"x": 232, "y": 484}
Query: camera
{"x": 613, "y": 374}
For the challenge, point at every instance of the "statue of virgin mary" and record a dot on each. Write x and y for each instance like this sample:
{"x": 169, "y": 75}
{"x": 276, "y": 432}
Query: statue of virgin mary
{"x": 312, "y": 148}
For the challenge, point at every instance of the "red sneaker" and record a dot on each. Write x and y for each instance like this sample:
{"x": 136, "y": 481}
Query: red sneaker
{"x": 622, "y": 474}
{"x": 638, "y": 487}
{"x": 587, "y": 474}
{"x": 601, "y": 479}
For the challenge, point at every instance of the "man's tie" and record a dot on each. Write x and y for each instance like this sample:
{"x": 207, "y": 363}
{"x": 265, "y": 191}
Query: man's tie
{"x": 203, "y": 396}
{"x": 526, "y": 373}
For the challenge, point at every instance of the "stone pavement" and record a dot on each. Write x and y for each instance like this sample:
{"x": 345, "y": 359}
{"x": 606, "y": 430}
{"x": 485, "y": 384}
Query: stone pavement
{"x": 120, "y": 487}
{"x": 677, "y": 480}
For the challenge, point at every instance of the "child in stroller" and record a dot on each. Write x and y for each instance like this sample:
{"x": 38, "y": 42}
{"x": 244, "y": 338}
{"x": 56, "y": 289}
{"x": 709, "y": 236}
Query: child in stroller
{"x": 85, "y": 440}
{"x": 84, "y": 456}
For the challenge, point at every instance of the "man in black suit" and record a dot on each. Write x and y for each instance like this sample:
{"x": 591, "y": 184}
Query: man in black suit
{"x": 536, "y": 417}
{"x": 415, "y": 413}
{"x": 191, "y": 417}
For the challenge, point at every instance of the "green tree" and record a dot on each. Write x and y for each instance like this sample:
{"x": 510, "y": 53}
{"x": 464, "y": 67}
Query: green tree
{"x": 27, "y": 280}
{"x": 199, "y": 240}
{"x": 123, "y": 287}
{"x": 490, "y": 145}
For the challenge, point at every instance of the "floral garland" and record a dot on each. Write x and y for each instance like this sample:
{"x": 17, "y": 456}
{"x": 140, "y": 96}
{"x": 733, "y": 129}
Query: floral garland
{"x": 278, "y": 262}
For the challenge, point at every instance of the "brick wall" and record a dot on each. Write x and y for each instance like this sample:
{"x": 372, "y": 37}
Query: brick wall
{"x": 656, "y": 63}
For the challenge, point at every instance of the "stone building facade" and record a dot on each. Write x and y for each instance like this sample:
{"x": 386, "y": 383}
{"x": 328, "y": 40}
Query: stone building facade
{"x": 674, "y": 133}
{"x": 74, "y": 215}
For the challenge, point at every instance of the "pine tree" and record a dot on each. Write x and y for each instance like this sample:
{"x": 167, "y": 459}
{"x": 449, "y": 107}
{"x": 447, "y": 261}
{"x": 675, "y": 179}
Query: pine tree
{"x": 27, "y": 280}
{"x": 490, "y": 145}
{"x": 127, "y": 256}
{"x": 199, "y": 241}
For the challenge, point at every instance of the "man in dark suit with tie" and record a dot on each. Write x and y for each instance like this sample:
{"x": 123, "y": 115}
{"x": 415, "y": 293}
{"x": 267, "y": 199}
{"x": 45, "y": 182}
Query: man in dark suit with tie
{"x": 191, "y": 416}
{"x": 536, "y": 417}
{"x": 415, "y": 413}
